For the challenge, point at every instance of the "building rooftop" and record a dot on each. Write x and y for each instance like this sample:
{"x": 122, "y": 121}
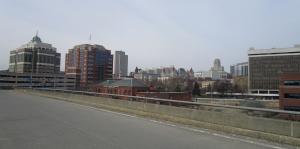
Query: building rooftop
{"x": 37, "y": 39}
{"x": 295, "y": 49}
{"x": 36, "y": 42}
{"x": 107, "y": 83}
{"x": 83, "y": 46}
{"x": 242, "y": 63}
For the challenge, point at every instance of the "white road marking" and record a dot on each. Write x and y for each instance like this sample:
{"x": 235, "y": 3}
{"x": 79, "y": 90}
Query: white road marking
{"x": 164, "y": 123}
{"x": 248, "y": 141}
{"x": 108, "y": 111}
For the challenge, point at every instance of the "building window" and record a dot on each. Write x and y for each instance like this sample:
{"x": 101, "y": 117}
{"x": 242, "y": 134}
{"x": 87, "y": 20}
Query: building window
{"x": 292, "y": 95}
{"x": 292, "y": 83}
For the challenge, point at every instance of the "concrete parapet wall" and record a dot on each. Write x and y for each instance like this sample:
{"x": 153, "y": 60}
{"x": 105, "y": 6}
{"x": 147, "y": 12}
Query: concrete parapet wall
{"x": 272, "y": 104}
{"x": 229, "y": 120}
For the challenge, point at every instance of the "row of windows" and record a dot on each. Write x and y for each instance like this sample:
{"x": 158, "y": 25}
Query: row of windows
{"x": 46, "y": 59}
{"x": 292, "y": 83}
{"x": 292, "y": 95}
{"x": 264, "y": 83}
{"x": 264, "y": 71}
{"x": 20, "y": 58}
{"x": 28, "y": 58}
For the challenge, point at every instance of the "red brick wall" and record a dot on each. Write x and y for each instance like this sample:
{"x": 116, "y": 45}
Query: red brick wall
{"x": 167, "y": 95}
{"x": 284, "y": 102}
{"x": 120, "y": 90}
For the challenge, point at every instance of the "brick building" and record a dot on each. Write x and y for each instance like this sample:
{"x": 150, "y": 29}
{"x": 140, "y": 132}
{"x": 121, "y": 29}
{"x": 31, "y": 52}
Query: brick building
{"x": 183, "y": 96}
{"x": 135, "y": 87}
{"x": 90, "y": 64}
{"x": 122, "y": 87}
{"x": 289, "y": 91}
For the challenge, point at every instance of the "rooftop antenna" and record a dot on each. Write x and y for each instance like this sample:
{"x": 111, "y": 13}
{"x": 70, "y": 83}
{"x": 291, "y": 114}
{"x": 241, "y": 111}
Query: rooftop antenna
{"x": 90, "y": 38}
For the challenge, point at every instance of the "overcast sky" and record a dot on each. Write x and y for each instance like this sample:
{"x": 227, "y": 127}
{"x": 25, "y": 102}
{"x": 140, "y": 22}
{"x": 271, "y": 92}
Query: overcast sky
{"x": 154, "y": 33}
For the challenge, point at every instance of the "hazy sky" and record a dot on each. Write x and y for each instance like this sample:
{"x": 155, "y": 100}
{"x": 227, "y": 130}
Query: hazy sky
{"x": 154, "y": 33}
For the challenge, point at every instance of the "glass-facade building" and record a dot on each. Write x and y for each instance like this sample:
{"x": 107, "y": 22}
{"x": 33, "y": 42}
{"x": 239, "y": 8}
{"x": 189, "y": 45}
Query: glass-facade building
{"x": 266, "y": 66}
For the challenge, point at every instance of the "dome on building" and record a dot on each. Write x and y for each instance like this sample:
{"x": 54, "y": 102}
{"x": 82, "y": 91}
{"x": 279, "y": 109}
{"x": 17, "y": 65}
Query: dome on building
{"x": 217, "y": 63}
{"x": 36, "y": 39}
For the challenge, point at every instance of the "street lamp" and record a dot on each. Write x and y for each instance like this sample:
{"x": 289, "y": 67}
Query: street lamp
{"x": 131, "y": 86}
{"x": 210, "y": 84}
{"x": 32, "y": 57}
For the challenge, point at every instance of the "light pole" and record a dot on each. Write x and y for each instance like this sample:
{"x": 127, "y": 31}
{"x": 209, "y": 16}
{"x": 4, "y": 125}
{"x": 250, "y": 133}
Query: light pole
{"x": 54, "y": 79}
{"x": 15, "y": 68}
{"x": 210, "y": 84}
{"x": 32, "y": 60}
{"x": 131, "y": 87}
{"x": 119, "y": 66}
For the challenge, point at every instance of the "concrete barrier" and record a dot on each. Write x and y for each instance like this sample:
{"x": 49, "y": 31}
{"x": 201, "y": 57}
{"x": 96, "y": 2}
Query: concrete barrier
{"x": 224, "y": 119}
{"x": 272, "y": 104}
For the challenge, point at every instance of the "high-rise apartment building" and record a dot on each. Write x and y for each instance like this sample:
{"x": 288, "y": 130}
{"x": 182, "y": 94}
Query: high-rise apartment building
{"x": 90, "y": 64}
{"x": 266, "y": 65}
{"x": 35, "y": 57}
{"x": 120, "y": 64}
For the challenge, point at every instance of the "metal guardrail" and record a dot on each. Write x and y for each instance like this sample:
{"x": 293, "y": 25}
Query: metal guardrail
{"x": 175, "y": 101}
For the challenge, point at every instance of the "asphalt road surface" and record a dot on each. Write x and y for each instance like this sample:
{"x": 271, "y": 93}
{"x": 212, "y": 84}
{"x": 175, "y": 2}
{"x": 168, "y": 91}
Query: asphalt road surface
{"x": 32, "y": 122}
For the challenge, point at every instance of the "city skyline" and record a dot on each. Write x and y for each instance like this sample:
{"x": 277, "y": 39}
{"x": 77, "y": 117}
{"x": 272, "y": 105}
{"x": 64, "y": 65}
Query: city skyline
{"x": 155, "y": 33}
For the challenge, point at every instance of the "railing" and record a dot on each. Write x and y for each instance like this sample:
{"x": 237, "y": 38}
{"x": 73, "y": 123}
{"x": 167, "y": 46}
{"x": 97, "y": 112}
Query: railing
{"x": 176, "y": 102}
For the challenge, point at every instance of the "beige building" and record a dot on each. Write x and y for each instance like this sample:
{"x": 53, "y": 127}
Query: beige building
{"x": 206, "y": 84}
{"x": 120, "y": 64}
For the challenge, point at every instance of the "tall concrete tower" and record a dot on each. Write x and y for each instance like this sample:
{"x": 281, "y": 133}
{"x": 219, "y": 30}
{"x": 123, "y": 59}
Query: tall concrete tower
{"x": 120, "y": 64}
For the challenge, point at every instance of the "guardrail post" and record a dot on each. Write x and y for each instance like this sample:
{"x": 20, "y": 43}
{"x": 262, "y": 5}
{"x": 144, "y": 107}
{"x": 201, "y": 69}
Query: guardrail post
{"x": 292, "y": 129}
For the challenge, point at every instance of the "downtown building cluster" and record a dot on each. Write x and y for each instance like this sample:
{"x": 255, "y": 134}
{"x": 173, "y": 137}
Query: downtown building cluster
{"x": 162, "y": 73}
{"x": 37, "y": 64}
{"x": 268, "y": 73}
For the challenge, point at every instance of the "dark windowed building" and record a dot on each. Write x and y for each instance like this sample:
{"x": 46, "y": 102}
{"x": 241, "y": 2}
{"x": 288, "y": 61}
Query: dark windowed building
{"x": 90, "y": 64}
{"x": 35, "y": 57}
{"x": 266, "y": 65}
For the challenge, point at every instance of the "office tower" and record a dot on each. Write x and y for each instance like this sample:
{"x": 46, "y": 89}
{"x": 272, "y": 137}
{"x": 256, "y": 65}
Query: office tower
{"x": 217, "y": 71}
{"x": 266, "y": 65}
{"x": 120, "y": 64}
{"x": 90, "y": 64}
{"x": 35, "y": 57}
